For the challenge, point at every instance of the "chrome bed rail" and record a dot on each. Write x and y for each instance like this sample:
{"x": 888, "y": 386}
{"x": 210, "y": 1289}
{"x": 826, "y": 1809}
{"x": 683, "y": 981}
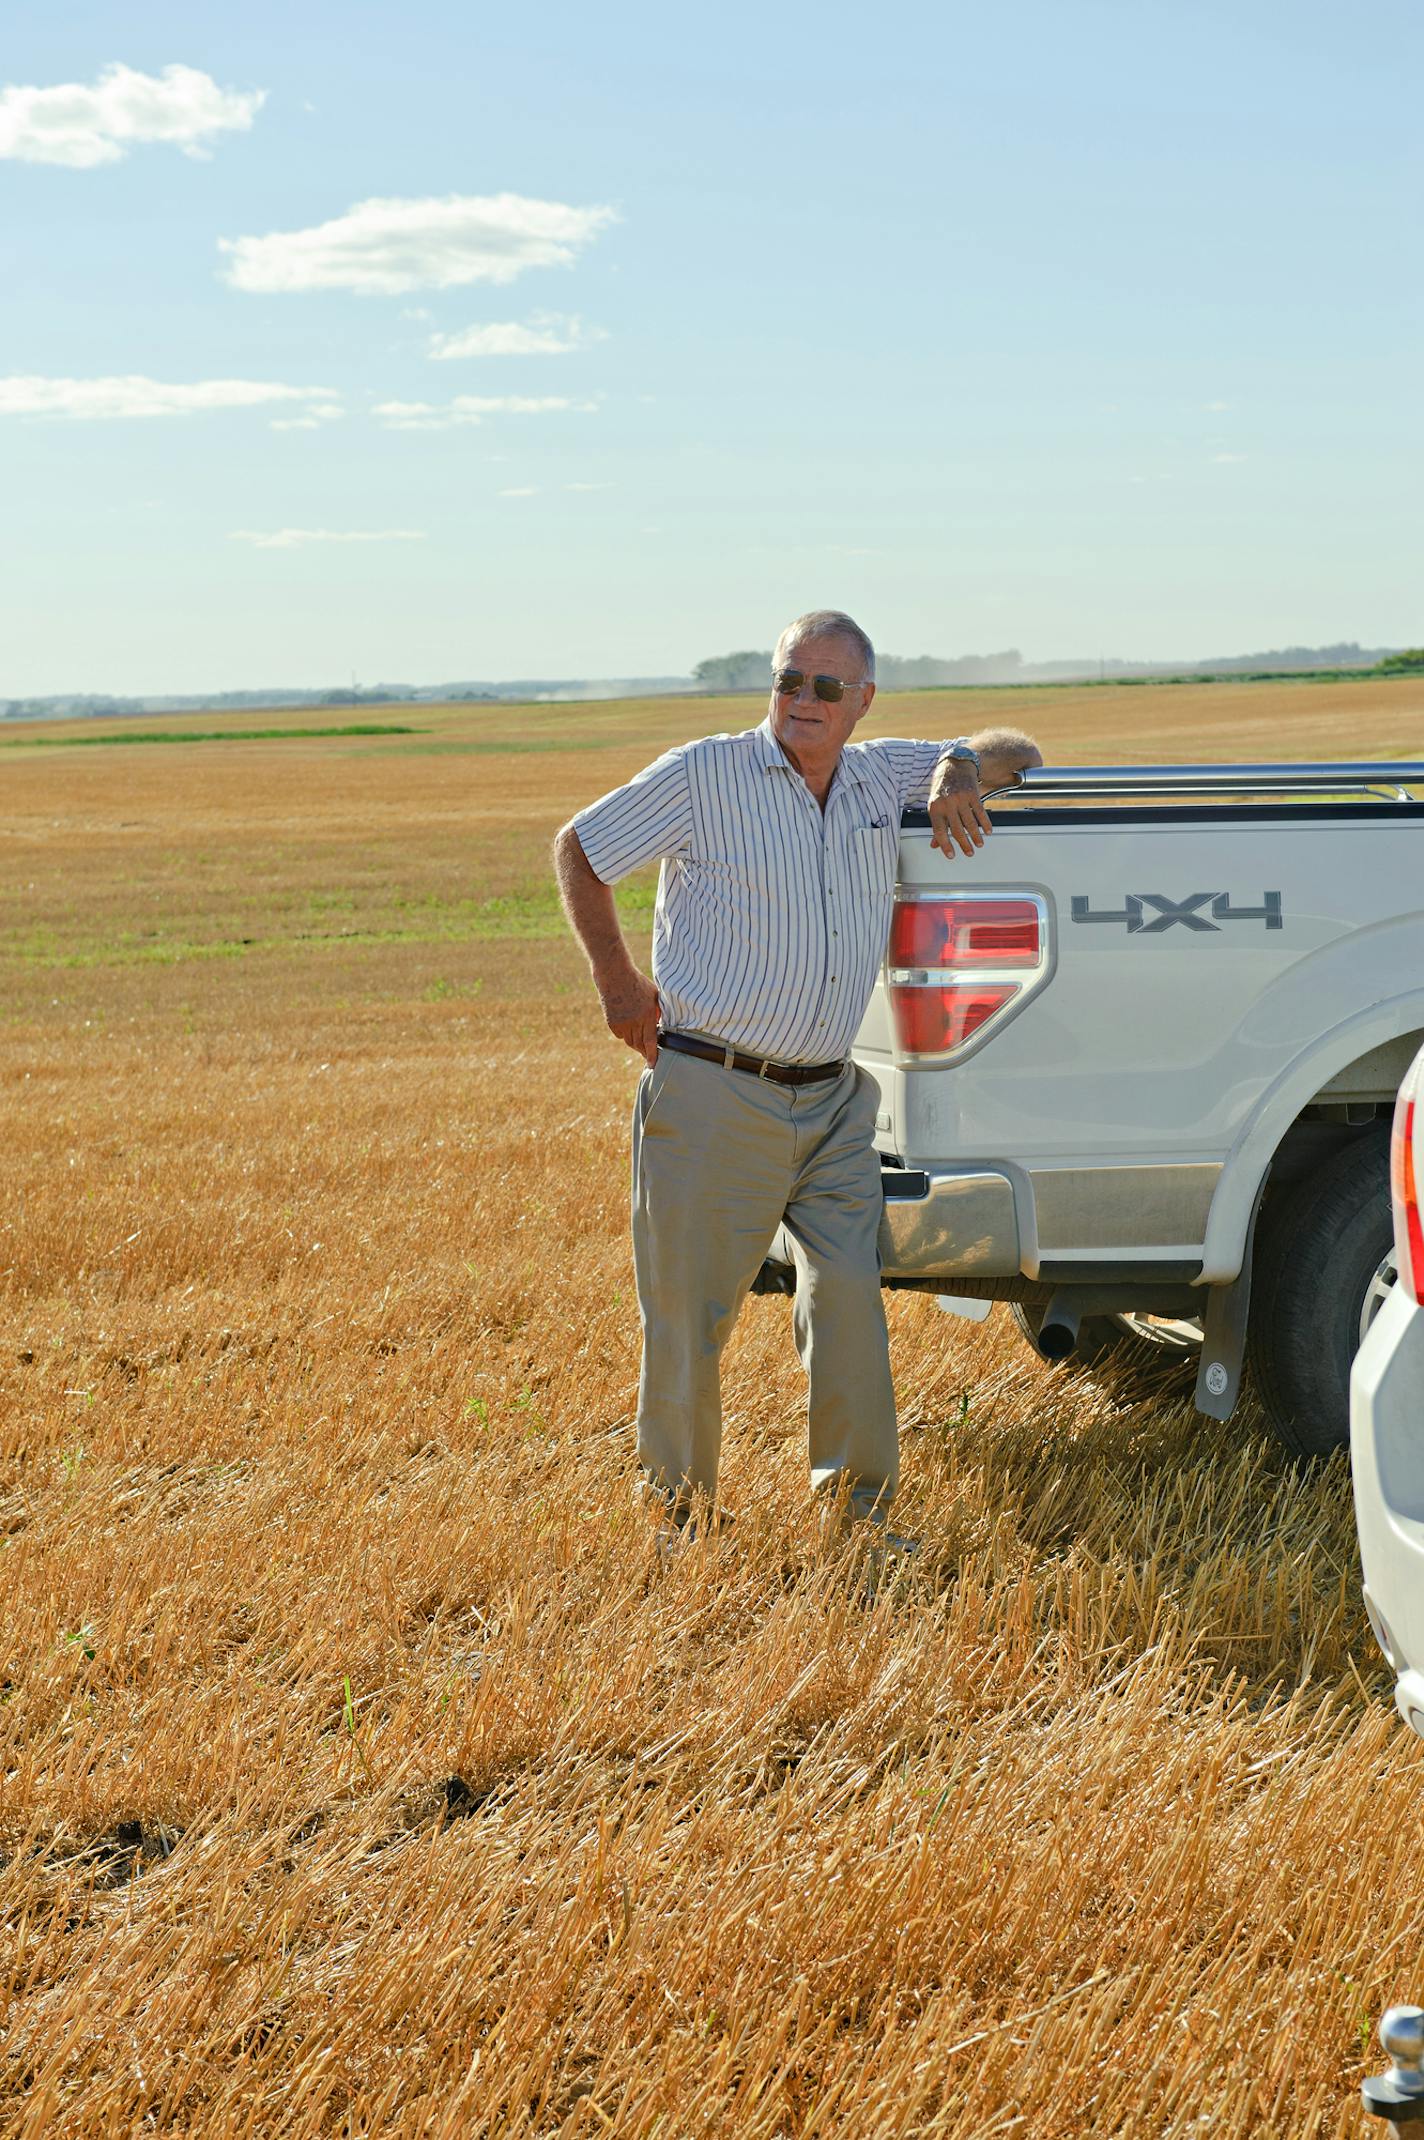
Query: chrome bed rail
{"x": 1381, "y": 780}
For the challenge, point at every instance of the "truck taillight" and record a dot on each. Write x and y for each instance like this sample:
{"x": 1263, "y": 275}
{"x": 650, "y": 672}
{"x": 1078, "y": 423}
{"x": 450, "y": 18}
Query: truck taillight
{"x": 965, "y": 932}
{"x": 1404, "y": 1156}
{"x": 959, "y": 966}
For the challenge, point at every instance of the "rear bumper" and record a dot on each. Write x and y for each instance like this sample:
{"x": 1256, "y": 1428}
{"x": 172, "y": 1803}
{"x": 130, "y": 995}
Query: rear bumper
{"x": 961, "y": 1221}
{"x": 1387, "y": 1461}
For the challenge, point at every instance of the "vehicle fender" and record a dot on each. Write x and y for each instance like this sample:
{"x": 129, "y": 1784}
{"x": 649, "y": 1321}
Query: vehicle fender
{"x": 1296, "y": 1086}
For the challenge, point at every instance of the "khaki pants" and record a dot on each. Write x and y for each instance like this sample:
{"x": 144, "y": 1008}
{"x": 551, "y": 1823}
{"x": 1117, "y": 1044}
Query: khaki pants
{"x": 721, "y": 1161}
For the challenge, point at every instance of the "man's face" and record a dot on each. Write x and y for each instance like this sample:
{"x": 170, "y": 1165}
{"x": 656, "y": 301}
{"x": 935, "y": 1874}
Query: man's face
{"x": 806, "y": 726}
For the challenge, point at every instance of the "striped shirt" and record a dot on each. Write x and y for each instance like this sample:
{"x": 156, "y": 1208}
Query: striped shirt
{"x": 772, "y": 915}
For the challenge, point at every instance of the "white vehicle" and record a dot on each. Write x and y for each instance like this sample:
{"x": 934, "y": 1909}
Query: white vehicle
{"x": 1138, "y": 1059}
{"x": 1387, "y": 1425}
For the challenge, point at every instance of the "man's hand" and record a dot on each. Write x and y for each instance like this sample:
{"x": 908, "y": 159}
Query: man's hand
{"x": 632, "y": 1008}
{"x": 957, "y": 813}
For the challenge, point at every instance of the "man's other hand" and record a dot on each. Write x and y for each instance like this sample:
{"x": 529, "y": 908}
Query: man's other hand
{"x": 957, "y": 813}
{"x": 632, "y": 1009}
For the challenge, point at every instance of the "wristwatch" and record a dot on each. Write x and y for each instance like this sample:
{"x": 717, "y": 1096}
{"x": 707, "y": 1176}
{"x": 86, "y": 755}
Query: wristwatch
{"x": 966, "y": 755}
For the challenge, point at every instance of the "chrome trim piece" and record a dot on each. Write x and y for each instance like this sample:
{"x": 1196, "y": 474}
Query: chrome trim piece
{"x": 1388, "y": 780}
{"x": 1084, "y": 1210}
{"x": 964, "y": 1225}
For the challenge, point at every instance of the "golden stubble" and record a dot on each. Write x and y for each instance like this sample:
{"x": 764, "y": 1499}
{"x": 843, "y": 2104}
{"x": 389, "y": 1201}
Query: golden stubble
{"x": 364, "y": 1769}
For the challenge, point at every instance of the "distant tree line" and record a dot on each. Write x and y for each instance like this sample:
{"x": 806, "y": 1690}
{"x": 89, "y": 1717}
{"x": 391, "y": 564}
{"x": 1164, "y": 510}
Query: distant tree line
{"x": 751, "y": 671}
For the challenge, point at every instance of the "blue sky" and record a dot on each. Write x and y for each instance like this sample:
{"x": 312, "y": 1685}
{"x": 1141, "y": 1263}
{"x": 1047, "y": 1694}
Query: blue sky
{"x": 1082, "y": 328}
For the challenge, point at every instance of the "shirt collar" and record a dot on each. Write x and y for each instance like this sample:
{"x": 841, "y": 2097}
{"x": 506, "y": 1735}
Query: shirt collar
{"x": 849, "y": 766}
{"x": 768, "y": 749}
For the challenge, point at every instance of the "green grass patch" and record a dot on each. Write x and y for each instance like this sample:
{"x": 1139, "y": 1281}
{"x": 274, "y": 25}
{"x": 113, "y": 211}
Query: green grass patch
{"x": 524, "y": 914}
{"x": 497, "y": 747}
{"x": 208, "y": 735}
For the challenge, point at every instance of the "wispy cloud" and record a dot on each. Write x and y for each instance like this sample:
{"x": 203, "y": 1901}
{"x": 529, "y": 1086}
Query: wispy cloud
{"x": 526, "y": 490}
{"x": 383, "y": 247}
{"x": 588, "y": 486}
{"x": 295, "y": 538}
{"x": 1222, "y": 458}
{"x": 82, "y": 124}
{"x": 545, "y": 334}
{"x": 1214, "y": 408}
{"x": 315, "y": 419}
{"x": 95, "y": 400}
{"x": 472, "y": 409}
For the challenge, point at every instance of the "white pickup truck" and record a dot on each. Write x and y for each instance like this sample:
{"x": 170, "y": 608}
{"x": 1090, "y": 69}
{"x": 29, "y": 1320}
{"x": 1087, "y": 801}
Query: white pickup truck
{"x": 1138, "y": 1060}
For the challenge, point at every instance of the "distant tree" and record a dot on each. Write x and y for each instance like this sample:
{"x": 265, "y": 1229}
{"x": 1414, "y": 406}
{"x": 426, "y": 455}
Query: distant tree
{"x": 734, "y": 672}
{"x": 897, "y": 672}
{"x": 1408, "y": 658}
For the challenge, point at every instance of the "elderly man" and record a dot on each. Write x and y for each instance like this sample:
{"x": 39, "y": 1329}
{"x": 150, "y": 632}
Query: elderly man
{"x": 778, "y": 849}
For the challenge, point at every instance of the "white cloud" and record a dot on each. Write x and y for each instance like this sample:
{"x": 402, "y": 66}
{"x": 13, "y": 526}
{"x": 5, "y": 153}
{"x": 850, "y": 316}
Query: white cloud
{"x": 528, "y": 490}
{"x": 86, "y": 123}
{"x": 383, "y": 247}
{"x": 472, "y": 409}
{"x": 294, "y": 538}
{"x": 1222, "y": 458}
{"x": 325, "y": 412}
{"x": 546, "y": 334}
{"x": 94, "y": 400}
{"x": 1215, "y": 407}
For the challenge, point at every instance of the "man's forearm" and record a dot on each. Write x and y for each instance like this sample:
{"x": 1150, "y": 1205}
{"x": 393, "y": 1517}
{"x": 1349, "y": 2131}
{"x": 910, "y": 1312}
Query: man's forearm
{"x": 1002, "y": 753}
{"x": 630, "y": 1000}
{"x": 589, "y": 906}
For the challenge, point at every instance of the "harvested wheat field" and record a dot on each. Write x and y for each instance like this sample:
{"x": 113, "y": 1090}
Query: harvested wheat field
{"x": 364, "y": 1770}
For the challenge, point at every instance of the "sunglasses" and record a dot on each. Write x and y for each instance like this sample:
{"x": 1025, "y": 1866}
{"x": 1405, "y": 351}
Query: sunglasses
{"x": 828, "y": 688}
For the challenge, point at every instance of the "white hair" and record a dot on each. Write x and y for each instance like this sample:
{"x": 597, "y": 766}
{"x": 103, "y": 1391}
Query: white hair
{"x": 831, "y": 623}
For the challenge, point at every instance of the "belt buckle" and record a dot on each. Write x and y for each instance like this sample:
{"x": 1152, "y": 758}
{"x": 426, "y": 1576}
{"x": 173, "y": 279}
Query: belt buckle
{"x": 765, "y": 1068}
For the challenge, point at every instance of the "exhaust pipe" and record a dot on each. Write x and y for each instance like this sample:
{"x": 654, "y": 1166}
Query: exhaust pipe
{"x": 1058, "y": 1332}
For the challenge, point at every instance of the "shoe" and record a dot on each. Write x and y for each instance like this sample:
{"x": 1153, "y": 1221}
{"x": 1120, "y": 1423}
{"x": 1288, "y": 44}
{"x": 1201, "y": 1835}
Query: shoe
{"x": 842, "y": 1521}
{"x": 880, "y": 1557}
{"x": 683, "y": 1523}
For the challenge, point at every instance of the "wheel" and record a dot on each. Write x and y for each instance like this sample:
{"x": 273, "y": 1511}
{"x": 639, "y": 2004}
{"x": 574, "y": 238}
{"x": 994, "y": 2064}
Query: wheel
{"x": 1146, "y": 1348}
{"x": 1323, "y": 1266}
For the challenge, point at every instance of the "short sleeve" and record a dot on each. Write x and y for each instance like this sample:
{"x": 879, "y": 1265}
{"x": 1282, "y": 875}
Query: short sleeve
{"x": 915, "y": 762}
{"x": 646, "y": 821}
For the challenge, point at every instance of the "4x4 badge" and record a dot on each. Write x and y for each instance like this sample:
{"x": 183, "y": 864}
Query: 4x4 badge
{"x": 1186, "y": 911}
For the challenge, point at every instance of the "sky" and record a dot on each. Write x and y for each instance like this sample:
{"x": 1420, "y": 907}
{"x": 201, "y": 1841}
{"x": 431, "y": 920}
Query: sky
{"x": 443, "y": 341}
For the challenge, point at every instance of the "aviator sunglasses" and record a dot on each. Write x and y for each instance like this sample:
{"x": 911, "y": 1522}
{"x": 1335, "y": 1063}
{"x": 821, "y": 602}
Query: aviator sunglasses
{"x": 830, "y": 689}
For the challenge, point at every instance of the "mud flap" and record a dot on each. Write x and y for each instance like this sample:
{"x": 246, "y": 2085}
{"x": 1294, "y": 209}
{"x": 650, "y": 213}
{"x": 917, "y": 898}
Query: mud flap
{"x": 1224, "y": 1335}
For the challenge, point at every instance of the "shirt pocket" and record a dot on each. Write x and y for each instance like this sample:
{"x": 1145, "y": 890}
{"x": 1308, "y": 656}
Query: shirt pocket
{"x": 874, "y": 852}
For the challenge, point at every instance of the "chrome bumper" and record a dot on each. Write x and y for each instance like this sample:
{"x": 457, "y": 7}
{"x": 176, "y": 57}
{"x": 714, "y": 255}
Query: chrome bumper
{"x": 959, "y": 1223}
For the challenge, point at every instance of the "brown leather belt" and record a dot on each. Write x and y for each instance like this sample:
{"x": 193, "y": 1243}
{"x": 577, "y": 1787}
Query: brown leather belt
{"x": 755, "y": 1065}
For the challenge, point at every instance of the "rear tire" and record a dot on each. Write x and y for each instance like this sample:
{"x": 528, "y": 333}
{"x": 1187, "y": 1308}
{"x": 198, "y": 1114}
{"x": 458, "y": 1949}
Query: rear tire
{"x": 1324, "y": 1255}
